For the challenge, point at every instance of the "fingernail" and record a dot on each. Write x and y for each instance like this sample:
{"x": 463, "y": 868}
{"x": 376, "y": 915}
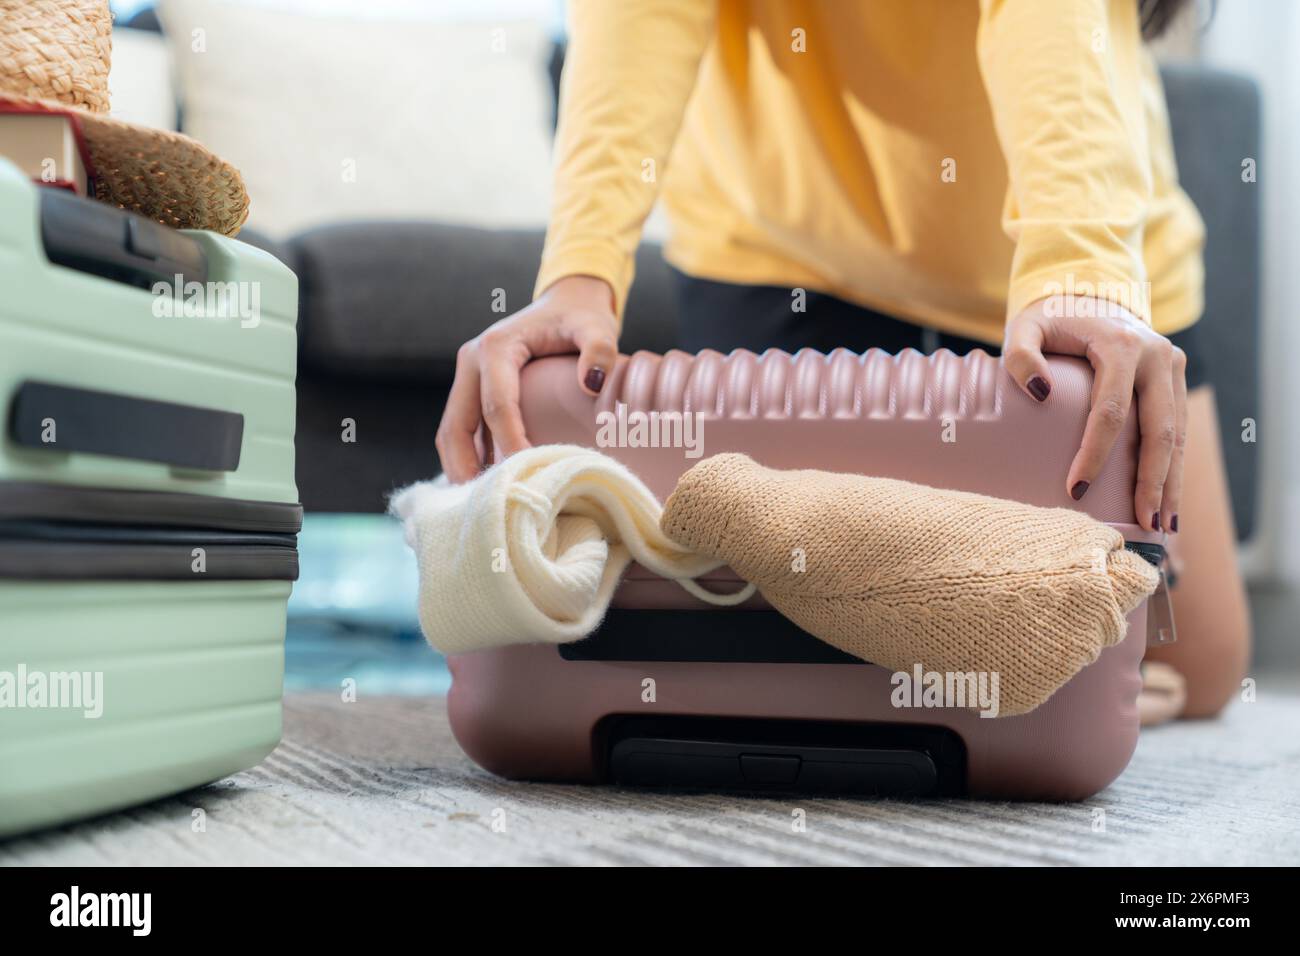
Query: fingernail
{"x": 595, "y": 379}
{"x": 1039, "y": 388}
{"x": 1079, "y": 490}
{"x": 1155, "y": 521}
{"x": 1173, "y": 523}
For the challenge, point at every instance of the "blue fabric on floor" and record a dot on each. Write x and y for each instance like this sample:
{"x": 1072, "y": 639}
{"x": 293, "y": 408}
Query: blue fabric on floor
{"x": 353, "y": 611}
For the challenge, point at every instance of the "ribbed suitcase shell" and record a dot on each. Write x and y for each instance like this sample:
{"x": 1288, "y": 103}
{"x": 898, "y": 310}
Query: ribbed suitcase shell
{"x": 192, "y": 681}
{"x": 526, "y": 712}
{"x": 192, "y": 670}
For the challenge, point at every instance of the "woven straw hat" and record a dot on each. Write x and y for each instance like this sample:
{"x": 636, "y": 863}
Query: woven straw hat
{"x": 54, "y": 56}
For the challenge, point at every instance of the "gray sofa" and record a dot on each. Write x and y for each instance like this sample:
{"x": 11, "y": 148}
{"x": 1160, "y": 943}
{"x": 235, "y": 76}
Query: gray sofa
{"x": 385, "y": 305}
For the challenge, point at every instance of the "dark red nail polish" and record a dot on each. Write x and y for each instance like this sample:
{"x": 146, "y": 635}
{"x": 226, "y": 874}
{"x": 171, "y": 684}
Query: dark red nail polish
{"x": 595, "y": 379}
{"x": 1155, "y": 521}
{"x": 1079, "y": 490}
{"x": 1039, "y": 388}
{"x": 1173, "y": 523}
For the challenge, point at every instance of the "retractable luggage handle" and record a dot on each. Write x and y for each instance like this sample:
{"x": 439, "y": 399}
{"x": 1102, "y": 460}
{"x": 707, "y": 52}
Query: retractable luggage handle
{"x": 115, "y": 244}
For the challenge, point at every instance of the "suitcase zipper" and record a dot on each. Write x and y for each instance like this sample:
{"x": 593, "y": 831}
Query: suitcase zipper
{"x": 1160, "y": 609}
{"x": 29, "y": 500}
{"x": 32, "y": 550}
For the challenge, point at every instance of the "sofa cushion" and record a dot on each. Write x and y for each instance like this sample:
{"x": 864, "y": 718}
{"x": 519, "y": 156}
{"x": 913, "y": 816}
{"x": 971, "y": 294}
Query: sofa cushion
{"x": 394, "y": 301}
{"x": 403, "y": 111}
{"x": 1215, "y": 122}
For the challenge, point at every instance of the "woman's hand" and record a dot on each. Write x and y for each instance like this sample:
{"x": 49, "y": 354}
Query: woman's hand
{"x": 576, "y": 314}
{"x": 1126, "y": 355}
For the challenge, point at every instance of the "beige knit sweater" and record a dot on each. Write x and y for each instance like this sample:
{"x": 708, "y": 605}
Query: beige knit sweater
{"x": 901, "y": 574}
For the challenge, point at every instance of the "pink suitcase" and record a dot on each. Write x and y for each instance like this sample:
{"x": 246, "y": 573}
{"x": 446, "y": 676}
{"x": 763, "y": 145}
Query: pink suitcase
{"x": 744, "y": 700}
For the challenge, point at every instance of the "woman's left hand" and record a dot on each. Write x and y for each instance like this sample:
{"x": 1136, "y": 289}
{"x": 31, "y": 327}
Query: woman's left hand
{"x": 1126, "y": 356}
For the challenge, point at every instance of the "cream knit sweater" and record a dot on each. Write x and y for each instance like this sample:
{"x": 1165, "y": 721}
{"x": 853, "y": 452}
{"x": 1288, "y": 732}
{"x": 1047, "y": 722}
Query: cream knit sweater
{"x": 531, "y": 550}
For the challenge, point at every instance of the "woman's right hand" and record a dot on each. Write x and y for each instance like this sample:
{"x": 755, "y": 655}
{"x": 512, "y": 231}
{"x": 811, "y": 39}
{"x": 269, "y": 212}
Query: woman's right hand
{"x": 576, "y": 314}
{"x": 1127, "y": 355}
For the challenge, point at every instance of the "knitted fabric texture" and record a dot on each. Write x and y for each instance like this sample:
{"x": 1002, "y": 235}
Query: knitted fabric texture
{"x": 531, "y": 550}
{"x": 900, "y": 574}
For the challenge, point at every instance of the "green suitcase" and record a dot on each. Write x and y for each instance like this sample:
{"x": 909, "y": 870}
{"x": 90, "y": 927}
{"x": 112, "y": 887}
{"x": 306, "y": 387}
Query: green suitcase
{"x": 148, "y": 512}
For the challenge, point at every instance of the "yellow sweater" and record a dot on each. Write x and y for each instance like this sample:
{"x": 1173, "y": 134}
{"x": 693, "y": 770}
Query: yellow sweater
{"x": 944, "y": 161}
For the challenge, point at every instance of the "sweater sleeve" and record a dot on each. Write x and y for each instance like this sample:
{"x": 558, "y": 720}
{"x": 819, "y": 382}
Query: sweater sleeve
{"x": 1064, "y": 83}
{"x": 630, "y": 69}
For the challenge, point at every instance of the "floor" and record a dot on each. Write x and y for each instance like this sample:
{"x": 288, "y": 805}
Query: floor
{"x": 382, "y": 781}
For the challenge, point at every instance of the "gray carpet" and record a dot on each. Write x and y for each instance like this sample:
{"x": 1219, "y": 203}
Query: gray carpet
{"x": 382, "y": 781}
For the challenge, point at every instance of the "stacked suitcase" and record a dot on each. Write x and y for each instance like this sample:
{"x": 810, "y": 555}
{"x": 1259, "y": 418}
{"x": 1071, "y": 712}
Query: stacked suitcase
{"x": 148, "y": 512}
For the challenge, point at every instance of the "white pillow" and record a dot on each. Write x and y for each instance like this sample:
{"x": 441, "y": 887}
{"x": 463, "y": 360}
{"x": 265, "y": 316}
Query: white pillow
{"x": 140, "y": 79}
{"x": 339, "y": 117}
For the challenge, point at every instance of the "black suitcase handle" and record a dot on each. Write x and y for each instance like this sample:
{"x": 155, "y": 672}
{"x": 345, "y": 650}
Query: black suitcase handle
{"x": 114, "y": 244}
{"x": 63, "y": 418}
{"x": 684, "y": 752}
